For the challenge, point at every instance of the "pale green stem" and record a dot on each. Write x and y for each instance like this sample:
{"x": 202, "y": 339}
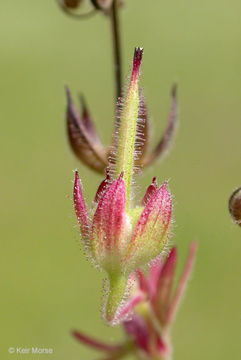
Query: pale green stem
{"x": 117, "y": 287}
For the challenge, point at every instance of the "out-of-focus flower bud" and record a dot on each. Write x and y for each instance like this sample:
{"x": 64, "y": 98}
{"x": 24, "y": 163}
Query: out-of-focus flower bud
{"x": 235, "y": 206}
{"x": 102, "y": 4}
{"x": 72, "y": 4}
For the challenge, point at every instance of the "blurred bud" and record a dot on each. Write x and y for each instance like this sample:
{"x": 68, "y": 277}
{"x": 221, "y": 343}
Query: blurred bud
{"x": 102, "y": 4}
{"x": 72, "y": 4}
{"x": 235, "y": 206}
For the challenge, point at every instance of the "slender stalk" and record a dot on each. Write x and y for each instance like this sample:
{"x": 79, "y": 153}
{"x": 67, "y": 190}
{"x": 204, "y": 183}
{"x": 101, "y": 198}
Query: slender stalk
{"x": 115, "y": 29}
{"x": 74, "y": 15}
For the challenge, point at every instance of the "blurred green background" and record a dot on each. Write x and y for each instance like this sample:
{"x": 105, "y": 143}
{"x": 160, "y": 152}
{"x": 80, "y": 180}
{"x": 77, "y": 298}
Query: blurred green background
{"x": 47, "y": 286}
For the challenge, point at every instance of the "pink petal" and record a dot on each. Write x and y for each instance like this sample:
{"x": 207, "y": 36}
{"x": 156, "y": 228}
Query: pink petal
{"x": 80, "y": 208}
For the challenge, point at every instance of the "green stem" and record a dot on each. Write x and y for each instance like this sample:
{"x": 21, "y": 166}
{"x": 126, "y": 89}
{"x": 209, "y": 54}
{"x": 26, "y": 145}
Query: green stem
{"x": 115, "y": 29}
{"x": 117, "y": 287}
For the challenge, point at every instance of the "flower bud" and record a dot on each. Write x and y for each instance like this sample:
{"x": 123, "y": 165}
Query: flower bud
{"x": 102, "y": 4}
{"x": 235, "y": 206}
{"x": 152, "y": 229}
{"x": 72, "y": 4}
{"x": 108, "y": 227}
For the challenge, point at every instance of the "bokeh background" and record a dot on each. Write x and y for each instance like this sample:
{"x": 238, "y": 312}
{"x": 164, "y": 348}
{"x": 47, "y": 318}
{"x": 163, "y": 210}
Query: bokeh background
{"x": 47, "y": 286}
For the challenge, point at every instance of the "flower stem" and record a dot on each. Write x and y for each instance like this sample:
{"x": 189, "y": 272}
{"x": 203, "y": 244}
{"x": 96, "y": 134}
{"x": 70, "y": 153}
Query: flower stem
{"x": 115, "y": 29}
{"x": 117, "y": 287}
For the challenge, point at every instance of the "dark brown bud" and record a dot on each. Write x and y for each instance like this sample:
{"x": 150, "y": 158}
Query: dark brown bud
{"x": 235, "y": 206}
{"x": 72, "y": 4}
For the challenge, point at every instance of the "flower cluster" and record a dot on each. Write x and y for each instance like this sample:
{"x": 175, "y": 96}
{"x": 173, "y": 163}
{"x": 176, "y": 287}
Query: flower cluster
{"x": 153, "y": 303}
{"x": 121, "y": 237}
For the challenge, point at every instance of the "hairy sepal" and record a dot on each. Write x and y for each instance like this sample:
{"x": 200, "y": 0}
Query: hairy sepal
{"x": 108, "y": 227}
{"x": 80, "y": 209}
{"x": 151, "y": 231}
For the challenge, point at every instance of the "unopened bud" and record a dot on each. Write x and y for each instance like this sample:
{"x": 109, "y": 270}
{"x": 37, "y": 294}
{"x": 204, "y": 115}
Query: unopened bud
{"x": 72, "y": 4}
{"x": 235, "y": 206}
{"x": 102, "y": 4}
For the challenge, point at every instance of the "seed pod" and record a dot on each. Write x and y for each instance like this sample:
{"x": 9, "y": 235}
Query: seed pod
{"x": 72, "y": 4}
{"x": 235, "y": 206}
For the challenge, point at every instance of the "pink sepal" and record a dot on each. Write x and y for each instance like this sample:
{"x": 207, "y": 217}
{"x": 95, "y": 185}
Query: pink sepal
{"x": 150, "y": 233}
{"x": 164, "y": 285}
{"x": 103, "y": 186}
{"x": 127, "y": 309}
{"x": 95, "y": 344}
{"x": 136, "y": 328}
{"x": 79, "y": 206}
{"x": 149, "y": 192}
{"x": 182, "y": 282}
{"x": 109, "y": 218}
